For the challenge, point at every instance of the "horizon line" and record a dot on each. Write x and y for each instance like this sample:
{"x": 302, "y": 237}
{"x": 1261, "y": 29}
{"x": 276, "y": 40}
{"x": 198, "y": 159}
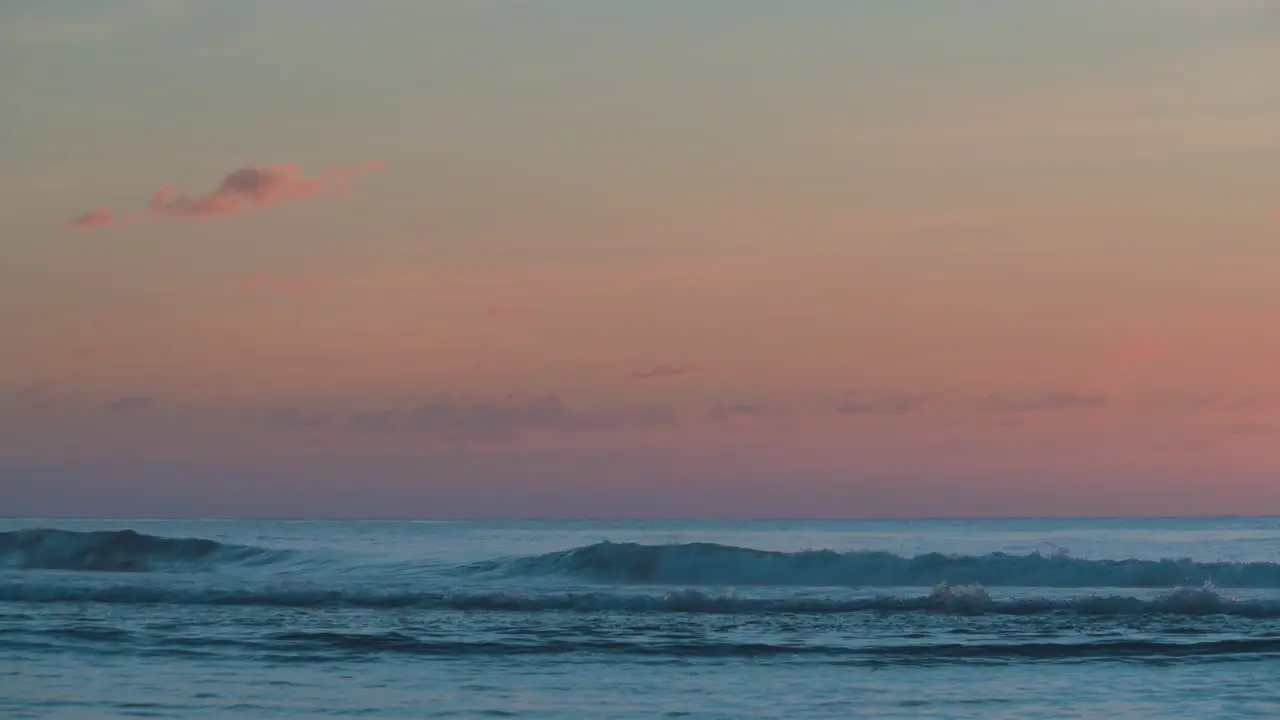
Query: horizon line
{"x": 623, "y": 518}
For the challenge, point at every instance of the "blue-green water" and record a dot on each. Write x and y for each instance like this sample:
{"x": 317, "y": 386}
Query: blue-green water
{"x": 788, "y": 619}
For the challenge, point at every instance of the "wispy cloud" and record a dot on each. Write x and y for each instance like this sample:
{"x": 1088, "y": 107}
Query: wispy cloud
{"x": 1053, "y": 400}
{"x": 97, "y": 217}
{"x": 857, "y": 402}
{"x": 665, "y": 370}
{"x": 298, "y": 418}
{"x": 1185, "y": 401}
{"x": 1251, "y": 429}
{"x": 462, "y": 418}
{"x": 762, "y": 410}
{"x": 247, "y": 188}
{"x": 129, "y": 405}
{"x": 39, "y": 395}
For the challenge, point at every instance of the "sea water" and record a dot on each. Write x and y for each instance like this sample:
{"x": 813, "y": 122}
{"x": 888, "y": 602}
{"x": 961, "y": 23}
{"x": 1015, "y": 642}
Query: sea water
{"x": 1108, "y": 618}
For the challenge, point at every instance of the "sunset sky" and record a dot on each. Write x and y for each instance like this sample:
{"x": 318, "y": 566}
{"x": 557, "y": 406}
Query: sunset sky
{"x": 660, "y": 258}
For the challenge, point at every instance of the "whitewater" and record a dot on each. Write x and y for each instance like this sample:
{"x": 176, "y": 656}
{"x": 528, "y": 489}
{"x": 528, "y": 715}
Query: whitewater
{"x": 1143, "y": 618}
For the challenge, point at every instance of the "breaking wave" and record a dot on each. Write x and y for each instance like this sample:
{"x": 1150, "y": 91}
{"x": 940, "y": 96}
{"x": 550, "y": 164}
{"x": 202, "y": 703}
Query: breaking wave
{"x": 944, "y": 599}
{"x": 119, "y": 551}
{"x": 712, "y": 564}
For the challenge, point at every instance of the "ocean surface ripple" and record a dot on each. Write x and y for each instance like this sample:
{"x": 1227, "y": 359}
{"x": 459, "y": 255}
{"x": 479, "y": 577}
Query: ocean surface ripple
{"x": 946, "y": 612}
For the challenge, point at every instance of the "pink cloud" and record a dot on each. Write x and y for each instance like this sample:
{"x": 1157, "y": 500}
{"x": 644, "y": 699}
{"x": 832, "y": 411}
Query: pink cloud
{"x": 665, "y": 370}
{"x": 247, "y": 188}
{"x": 244, "y": 189}
{"x": 94, "y": 218}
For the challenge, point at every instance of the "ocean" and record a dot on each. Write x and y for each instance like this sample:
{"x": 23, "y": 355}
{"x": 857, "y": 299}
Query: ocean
{"x": 1018, "y": 618}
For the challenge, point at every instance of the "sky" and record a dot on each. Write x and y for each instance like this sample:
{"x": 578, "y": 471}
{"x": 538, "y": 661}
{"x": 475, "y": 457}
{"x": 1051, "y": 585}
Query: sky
{"x": 483, "y": 258}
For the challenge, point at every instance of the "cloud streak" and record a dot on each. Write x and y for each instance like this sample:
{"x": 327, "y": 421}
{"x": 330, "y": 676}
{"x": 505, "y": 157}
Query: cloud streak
{"x": 460, "y": 419}
{"x": 1251, "y": 429}
{"x": 36, "y": 396}
{"x": 247, "y": 188}
{"x": 761, "y": 410}
{"x": 861, "y": 403}
{"x": 98, "y": 217}
{"x": 298, "y": 418}
{"x": 1055, "y": 400}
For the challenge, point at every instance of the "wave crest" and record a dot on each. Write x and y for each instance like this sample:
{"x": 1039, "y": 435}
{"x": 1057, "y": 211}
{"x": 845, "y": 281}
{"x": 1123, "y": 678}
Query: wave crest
{"x": 944, "y": 599}
{"x": 117, "y": 551}
{"x": 713, "y": 564}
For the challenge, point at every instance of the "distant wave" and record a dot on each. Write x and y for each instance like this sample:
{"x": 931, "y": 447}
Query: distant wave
{"x": 118, "y": 551}
{"x": 712, "y": 564}
{"x": 396, "y": 642}
{"x": 970, "y": 600}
